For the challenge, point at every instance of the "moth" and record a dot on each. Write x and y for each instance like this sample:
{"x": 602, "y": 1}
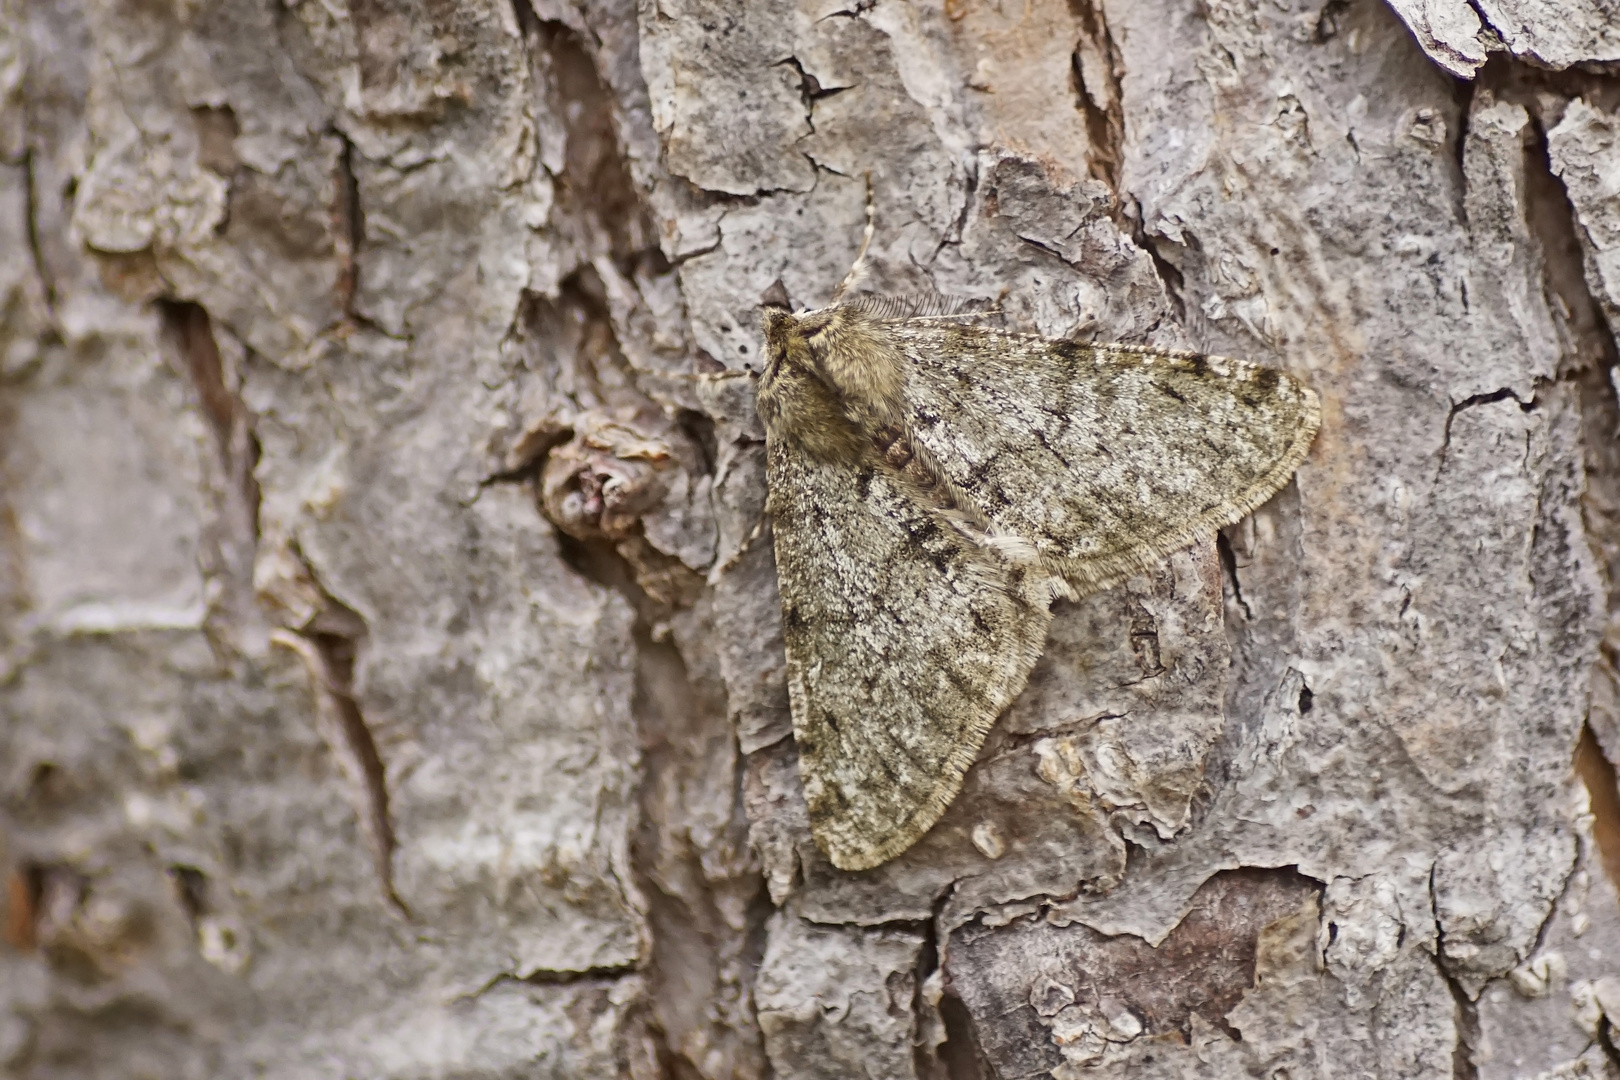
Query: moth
{"x": 933, "y": 486}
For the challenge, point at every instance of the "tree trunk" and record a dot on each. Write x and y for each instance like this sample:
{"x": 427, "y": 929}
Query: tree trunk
{"x": 390, "y": 656}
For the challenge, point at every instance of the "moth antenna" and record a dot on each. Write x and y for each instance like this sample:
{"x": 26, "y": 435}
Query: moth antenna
{"x": 955, "y": 315}
{"x": 745, "y": 372}
{"x": 858, "y": 270}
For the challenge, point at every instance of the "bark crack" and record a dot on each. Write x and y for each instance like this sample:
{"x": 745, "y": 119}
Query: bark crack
{"x": 969, "y": 193}
{"x": 605, "y": 973}
{"x": 546, "y": 977}
{"x": 947, "y": 1044}
{"x": 599, "y": 205}
{"x": 810, "y": 88}
{"x": 1465, "y": 1011}
{"x": 231, "y": 536}
{"x": 1094, "y": 74}
{"x": 1589, "y": 358}
{"x": 329, "y": 646}
{"x": 36, "y": 247}
{"x": 1492, "y": 37}
{"x": 1169, "y": 275}
{"x": 1470, "y": 402}
{"x": 1223, "y": 548}
{"x": 192, "y": 329}
{"x": 351, "y": 226}
{"x": 703, "y": 895}
{"x": 1597, "y": 773}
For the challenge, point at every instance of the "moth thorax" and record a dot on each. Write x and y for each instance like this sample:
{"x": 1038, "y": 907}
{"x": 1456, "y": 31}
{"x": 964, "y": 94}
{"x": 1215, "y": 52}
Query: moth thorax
{"x": 862, "y": 365}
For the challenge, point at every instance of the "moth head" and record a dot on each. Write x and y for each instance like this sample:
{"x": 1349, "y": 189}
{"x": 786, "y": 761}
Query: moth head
{"x": 844, "y": 348}
{"x": 794, "y": 401}
{"x": 784, "y": 344}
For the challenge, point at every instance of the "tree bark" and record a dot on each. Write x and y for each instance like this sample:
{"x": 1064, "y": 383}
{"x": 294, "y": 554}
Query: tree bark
{"x": 390, "y": 659}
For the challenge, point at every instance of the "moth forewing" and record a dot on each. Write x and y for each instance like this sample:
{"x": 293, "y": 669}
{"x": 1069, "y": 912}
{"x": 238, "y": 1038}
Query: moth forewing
{"x": 905, "y": 641}
{"x": 1105, "y": 458}
{"x": 933, "y": 486}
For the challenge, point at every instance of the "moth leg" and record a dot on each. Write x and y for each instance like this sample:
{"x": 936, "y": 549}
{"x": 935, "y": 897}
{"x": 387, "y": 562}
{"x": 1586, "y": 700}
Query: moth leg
{"x": 743, "y": 548}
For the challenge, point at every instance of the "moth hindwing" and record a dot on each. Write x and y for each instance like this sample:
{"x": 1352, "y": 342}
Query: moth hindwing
{"x": 933, "y": 486}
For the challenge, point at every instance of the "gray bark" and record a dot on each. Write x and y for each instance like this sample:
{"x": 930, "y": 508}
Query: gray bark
{"x": 390, "y": 684}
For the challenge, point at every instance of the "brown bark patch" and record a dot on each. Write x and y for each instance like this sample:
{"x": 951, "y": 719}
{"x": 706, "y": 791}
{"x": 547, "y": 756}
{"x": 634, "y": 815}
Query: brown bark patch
{"x": 1017, "y": 978}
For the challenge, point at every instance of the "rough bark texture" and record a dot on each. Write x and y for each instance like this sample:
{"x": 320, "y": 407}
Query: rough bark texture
{"x": 391, "y": 687}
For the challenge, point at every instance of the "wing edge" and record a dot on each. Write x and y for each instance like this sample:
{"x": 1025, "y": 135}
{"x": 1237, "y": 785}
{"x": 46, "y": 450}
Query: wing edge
{"x": 1094, "y": 575}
